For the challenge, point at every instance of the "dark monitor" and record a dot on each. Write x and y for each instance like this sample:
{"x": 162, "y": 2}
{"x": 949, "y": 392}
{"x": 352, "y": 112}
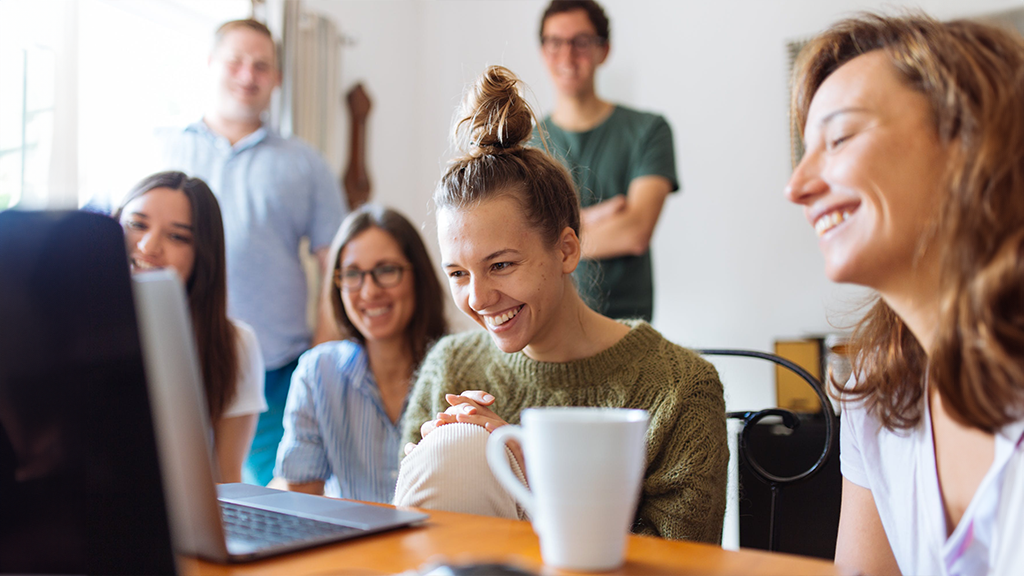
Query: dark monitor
{"x": 80, "y": 484}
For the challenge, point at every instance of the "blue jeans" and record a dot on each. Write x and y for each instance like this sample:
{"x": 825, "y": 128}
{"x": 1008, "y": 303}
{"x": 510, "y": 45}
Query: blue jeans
{"x": 259, "y": 467}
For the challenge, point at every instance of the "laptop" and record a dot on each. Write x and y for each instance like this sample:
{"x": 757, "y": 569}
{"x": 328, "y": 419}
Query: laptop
{"x": 80, "y": 483}
{"x": 229, "y": 522}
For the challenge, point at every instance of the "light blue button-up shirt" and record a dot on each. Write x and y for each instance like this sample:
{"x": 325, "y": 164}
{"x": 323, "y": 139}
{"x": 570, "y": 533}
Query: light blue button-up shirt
{"x": 273, "y": 192}
{"x": 336, "y": 428}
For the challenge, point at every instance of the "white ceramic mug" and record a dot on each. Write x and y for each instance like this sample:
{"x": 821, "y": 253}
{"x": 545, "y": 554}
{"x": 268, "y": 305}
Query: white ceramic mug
{"x": 584, "y": 466}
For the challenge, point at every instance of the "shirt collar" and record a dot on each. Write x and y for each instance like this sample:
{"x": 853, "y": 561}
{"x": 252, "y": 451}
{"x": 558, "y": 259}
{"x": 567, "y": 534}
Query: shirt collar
{"x": 1013, "y": 433}
{"x": 201, "y": 127}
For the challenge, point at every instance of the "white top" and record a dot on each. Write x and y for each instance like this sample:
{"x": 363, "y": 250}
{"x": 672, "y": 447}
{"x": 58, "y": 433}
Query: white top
{"x": 249, "y": 397}
{"x": 899, "y": 469}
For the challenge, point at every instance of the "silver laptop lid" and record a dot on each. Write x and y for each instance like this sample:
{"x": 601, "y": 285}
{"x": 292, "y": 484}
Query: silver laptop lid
{"x": 185, "y": 439}
{"x": 180, "y": 414}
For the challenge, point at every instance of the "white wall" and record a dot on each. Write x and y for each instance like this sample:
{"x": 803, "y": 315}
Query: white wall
{"x": 735, "y": 264}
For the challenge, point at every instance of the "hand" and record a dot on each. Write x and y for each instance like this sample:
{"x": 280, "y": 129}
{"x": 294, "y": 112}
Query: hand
{"x": 463, "y": 408}
{"x": 476, "y": 398}
{"x": 602, "y": 210}
{"x": 465, "y": 405}
{"x": 470, "y": 407}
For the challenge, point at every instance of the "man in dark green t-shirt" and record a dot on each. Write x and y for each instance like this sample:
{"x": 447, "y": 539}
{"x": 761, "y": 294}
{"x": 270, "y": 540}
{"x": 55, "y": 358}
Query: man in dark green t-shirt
{"x": 622, "y": 161}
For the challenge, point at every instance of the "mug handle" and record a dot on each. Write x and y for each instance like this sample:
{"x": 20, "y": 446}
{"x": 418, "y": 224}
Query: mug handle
{"x": 497, "y": 459}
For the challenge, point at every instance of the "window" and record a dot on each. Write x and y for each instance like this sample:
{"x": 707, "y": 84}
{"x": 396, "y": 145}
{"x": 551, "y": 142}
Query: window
{"x": 85, "y": 86}
{"x": 27, "y": 75}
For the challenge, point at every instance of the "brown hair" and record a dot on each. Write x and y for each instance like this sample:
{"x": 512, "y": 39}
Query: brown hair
{"x": 248, "y": 24}
{"x": 428, "y": 322}
{"x": 216, "y": 340}
{"x": 973, "y": 76}
{"x": 594, "y": 12}
{"x": 496, "y": 124}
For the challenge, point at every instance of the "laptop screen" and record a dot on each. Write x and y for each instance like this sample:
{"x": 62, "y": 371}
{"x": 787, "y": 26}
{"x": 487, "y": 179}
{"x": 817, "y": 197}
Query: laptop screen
{"x": 80, "y": 485}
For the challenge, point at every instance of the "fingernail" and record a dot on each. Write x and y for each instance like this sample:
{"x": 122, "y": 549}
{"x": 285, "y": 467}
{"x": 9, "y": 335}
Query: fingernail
{"x": 488, "y": 397}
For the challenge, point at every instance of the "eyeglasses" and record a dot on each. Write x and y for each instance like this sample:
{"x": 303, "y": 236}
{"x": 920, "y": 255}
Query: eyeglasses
{"x": 579, "y": 43}
{"x": 384, "y": 276}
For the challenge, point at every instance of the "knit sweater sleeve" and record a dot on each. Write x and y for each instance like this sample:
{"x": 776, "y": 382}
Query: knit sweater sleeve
{"x": 685, "y": 483}
{"x": 423, "y": 398}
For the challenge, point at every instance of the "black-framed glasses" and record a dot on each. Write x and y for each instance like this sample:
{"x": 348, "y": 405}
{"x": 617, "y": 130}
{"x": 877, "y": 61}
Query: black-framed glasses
{"x": 384, "y": 276}
{"x": 579, "y": 43}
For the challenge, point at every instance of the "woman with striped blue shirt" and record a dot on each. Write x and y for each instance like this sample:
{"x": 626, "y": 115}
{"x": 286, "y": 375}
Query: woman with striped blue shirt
{"x": 342, "y": 421}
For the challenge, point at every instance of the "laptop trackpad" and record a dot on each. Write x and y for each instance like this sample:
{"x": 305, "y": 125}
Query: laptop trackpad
{"x": 352, "y": 514}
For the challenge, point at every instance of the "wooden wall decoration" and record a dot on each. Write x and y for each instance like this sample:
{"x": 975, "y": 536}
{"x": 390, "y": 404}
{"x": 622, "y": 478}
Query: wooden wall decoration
{"x": 356, "y": 180}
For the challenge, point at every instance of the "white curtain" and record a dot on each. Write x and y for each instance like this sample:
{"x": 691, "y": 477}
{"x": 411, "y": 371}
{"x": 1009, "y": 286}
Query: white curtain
{"x": 309, "y": 98}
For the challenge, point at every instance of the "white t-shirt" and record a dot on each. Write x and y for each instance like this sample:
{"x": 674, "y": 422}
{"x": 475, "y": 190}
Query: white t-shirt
{"x": 899, "y": 469}
{"x": 249, "y": 398}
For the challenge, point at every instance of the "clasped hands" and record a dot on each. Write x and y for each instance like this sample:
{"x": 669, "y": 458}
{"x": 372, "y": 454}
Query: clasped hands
{"x": 470, "y": 407}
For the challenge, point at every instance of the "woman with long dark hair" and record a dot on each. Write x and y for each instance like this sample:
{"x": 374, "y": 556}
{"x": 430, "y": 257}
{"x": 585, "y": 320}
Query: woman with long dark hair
{"x": 173, "y": 221}
{"x": 913, "y": 179}
{"x": 342, "y": 423}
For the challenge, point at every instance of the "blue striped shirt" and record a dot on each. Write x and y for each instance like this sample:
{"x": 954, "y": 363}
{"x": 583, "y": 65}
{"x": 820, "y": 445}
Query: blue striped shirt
{"x": 336, "y": 428}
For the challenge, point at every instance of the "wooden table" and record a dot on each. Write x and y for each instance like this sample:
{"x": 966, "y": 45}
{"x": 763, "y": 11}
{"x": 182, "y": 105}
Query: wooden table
{"x": 453, "y": 538}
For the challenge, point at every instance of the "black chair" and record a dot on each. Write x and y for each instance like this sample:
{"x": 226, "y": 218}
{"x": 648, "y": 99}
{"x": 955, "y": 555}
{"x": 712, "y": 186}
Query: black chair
{"x": 777, "y": 481}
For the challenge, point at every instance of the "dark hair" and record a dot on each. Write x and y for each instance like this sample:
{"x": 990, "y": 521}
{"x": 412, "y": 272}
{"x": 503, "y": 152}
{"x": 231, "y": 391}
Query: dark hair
{"x": 248, "y": 24}
{"x": 495, "y": 127}
{"x": 216, "y": 339}
{"x": 428, "y": 322}
{"x": 594, "y": 12}
{"x": 973, "y": 77}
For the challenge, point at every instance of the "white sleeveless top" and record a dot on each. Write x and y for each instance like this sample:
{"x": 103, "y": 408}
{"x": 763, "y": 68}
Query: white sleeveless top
{"x": 249, "y": 398}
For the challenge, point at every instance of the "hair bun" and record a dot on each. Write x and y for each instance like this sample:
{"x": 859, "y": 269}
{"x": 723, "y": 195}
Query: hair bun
{"x": 495, "y": 116}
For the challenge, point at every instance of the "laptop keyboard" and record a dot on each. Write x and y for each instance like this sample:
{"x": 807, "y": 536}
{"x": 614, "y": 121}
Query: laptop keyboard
{"x": 264, "y": 528}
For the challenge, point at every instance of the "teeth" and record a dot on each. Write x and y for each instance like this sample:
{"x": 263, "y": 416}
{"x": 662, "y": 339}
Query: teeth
{"x": 830, "y": 221}
{"x": 499, "y": 320}
{"x": 374, "y": 312}
{"x": 142, "y": 265}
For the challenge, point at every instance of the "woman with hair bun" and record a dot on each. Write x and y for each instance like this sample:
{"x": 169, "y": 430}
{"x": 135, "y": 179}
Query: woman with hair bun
{"x": 913, "y": 179}
{"x": 508, "y": 223}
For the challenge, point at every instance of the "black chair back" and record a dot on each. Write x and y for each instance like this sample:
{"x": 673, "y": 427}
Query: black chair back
{"x": 776, "y": 482}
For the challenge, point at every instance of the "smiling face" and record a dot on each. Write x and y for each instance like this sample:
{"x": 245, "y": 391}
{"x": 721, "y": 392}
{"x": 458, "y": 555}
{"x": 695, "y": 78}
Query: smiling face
{"x": 872, "y": 174}
{"x": 503, "y": 275}
{"x": 379, "y": 314}
{"x": 158, "y": 232}
{"x": 572, "y": 70}
{"x": 245, "y": 74}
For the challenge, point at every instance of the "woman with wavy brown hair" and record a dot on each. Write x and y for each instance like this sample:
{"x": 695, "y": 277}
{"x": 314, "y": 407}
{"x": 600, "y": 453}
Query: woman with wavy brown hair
{"x": 913, "y": 178}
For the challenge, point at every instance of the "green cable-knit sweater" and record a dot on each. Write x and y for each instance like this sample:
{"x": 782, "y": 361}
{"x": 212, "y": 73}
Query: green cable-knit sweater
{"x": 687, "y": 454}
